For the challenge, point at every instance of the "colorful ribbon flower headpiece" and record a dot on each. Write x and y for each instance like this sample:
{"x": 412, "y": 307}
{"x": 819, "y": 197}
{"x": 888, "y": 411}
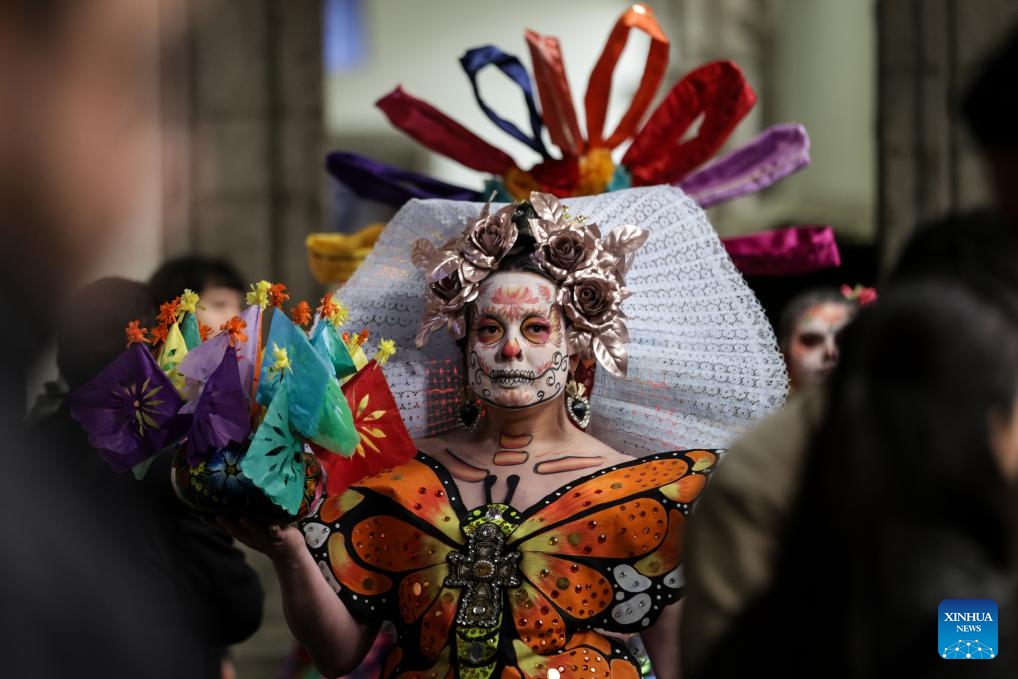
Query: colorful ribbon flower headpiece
{"x": 661, "y": 151}
{"x": 667, "y": 145}
{"x": 588, "y": 268}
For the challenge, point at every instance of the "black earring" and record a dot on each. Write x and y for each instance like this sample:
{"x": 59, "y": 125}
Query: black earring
{"x": 469, "y": 413}
{"x": 577, "y": 404}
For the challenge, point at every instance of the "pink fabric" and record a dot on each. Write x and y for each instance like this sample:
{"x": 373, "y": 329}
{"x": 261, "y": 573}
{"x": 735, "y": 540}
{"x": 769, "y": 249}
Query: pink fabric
{"x": 784, "y": 252}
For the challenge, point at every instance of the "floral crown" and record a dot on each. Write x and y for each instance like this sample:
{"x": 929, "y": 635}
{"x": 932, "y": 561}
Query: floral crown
{"x": 589, "y": 269}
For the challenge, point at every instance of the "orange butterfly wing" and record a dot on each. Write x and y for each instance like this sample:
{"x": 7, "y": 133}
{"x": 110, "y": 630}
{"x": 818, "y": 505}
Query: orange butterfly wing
{"x": 602, "y": 552}
{"x": 391, "y": 535}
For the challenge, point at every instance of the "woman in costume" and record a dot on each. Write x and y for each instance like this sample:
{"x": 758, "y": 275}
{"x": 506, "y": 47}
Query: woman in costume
{"x": 808, "y": 330}
{"x": 518, "y": 544}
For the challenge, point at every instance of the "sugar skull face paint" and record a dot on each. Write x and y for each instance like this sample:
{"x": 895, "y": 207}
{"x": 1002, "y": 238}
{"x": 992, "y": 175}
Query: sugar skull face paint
{"x": 516, "y": 347}
{"x": 812, "y": 349}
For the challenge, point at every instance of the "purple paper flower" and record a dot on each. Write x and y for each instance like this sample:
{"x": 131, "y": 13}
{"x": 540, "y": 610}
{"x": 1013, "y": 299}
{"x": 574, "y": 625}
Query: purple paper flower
{"x": 129, "y": 410}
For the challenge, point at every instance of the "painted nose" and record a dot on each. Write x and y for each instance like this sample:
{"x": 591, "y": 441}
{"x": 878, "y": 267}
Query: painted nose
{"x": 511, "y": 349}
{"x": 831, "y": 350}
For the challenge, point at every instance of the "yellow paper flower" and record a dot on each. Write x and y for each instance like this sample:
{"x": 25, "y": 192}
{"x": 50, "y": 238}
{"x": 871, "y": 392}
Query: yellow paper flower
{"x": 386, "y": 350}
{"x": 339, "y": 314}
{"x": 259, "y": 294}
{"x": 189, "y": 301}
{"x": 281, "y": 360}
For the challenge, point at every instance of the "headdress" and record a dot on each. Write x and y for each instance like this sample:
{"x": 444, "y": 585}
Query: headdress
{"x": 702, "y": 359}
{"x": 588, "y": 269}
{"x": 660, "y": 152}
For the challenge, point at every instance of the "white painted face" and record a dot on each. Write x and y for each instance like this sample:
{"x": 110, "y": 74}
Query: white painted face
{"x": 516, "y": 344}
{"x": 813, "y": 350}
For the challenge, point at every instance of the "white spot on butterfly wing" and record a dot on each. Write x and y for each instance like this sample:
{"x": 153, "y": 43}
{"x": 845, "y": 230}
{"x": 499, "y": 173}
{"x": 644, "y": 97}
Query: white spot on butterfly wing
{"x": 631, "y": 610}
{"x": 629, "y": 579}
{"x": 675, "y": 578}
{"x": 315, "y": 534}
{"x": 329, "y": 577}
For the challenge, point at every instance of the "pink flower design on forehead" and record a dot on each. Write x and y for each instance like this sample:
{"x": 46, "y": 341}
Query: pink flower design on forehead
{"x": 515, "y": 301}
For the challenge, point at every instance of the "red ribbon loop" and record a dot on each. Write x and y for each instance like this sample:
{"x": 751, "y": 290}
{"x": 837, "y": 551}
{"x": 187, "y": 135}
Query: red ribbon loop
{"x": 719, "y": 91}
{"x": 440, "y": 133}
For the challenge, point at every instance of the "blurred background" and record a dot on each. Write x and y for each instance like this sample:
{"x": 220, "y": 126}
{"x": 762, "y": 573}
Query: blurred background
{"x": 258, "y": 91}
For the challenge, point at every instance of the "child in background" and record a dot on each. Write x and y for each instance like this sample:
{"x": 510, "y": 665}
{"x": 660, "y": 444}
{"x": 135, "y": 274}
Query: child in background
{"x": 216, "y": 281}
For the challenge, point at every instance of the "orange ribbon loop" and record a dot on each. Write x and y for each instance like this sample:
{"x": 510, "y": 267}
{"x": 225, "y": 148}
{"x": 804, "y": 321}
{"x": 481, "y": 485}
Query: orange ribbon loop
{"x": 641, "y": 18}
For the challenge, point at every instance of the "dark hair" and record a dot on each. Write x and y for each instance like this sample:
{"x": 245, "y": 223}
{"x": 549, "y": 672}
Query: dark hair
{"x": 519, "y": 256}
{"x": 976, "y": 249}
{"x": 192, "y": 273}
{"x": 989, "y": 106}
{"x": 902, "y": 503}
{"x": 803, "y": 301}
{"x": 90, "y": 331}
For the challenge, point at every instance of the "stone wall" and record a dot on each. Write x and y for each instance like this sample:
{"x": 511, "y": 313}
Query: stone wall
{"x": 928, "y": 50}
{"x": 249, "y": 179}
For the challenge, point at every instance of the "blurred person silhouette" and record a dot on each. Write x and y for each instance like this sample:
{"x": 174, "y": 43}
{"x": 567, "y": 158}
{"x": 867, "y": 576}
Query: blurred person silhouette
{"x": 989, "y": 108}
{"x": 734, "y": 538}
{"x": 904, "y": 497}
{"x": 732, "y": 544}
{"x": 208, "y": 589}
{"x": 77, "y": 141}
{"x": 216, "y": 281}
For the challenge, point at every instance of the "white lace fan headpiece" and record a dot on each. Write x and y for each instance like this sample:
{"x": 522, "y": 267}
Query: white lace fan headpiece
{"x": 703, "y": 363}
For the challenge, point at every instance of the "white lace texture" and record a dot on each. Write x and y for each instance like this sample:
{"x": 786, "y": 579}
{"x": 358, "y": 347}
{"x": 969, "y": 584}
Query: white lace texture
{"x": 703, "y": 360}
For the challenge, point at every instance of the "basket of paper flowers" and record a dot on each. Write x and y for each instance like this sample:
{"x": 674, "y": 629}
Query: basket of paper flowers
{"x": 258, "y": 428}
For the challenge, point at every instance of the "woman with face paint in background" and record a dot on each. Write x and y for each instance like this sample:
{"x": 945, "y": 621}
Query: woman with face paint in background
{"x": 808, "y": 334}
{"x": 517, "y": 544}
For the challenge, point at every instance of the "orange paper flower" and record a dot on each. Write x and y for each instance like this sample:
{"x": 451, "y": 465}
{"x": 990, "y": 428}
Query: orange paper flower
{"x": 235, "y": 327}
{"x": 168, "y": 312}
{"x": 159, "y": 333}
{"x": 278, "y": 295}
{"x": 135, "y": 333}
{"x": 301, "y": 314}
{"x": 204, "y": 331}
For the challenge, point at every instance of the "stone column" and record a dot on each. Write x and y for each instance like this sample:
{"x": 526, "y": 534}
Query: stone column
{"x": 248, "y": 184}
{"x": 927, "y": 51}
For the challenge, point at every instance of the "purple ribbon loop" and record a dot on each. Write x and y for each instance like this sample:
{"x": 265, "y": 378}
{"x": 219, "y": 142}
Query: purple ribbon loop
{"x": 375, "y": 180}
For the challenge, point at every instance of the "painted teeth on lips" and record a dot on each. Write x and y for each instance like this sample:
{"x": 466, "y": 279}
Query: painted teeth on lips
{"x": 512, "y": 378}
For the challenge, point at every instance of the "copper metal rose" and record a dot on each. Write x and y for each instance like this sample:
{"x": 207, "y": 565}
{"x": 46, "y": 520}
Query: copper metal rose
{"x": 486, "y": 242}
{"x": 444, "y": 304}
{"x": 447, "y": 294}
{"x": 591, "y": 300}
{"x": 566, "y": 251}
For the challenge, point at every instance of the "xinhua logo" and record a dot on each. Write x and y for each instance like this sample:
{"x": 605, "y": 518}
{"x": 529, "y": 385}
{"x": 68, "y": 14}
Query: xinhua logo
{"x": 967, "y": 629}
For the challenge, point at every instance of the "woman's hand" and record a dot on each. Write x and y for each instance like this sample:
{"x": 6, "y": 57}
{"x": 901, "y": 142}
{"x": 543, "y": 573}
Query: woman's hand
{"x": 279, "y": 543}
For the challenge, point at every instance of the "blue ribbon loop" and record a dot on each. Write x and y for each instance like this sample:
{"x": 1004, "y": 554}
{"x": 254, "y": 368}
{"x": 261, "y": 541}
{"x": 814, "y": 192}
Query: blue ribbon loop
{"x": 489, "y": 55}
